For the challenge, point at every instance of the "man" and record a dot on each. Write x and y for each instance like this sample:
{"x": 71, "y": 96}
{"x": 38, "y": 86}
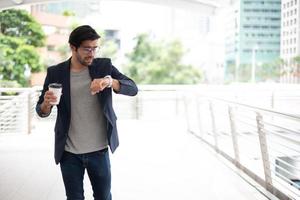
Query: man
{"x": 86, "y": 122}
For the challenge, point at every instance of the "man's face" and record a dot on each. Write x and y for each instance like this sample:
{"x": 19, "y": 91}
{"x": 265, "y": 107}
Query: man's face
{"x": 86, "y": 52}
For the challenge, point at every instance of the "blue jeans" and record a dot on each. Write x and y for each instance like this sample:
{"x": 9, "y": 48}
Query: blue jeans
{"x": 97, "y": 165}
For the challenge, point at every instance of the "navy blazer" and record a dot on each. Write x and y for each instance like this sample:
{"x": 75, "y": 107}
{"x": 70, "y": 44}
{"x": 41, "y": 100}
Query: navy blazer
{"x": 98, "y": 69}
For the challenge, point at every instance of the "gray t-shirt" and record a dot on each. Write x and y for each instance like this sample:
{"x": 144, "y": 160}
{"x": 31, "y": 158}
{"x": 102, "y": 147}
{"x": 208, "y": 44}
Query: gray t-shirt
{"x": 87, "y": 131}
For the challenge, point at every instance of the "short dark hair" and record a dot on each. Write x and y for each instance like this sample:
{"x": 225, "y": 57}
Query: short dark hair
{"x": 82, "y": 33}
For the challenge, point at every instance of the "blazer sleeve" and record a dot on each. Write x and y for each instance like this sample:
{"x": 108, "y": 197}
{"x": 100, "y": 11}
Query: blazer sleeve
{"x": 41, "y": 97}
{"x": 127, "y": 86}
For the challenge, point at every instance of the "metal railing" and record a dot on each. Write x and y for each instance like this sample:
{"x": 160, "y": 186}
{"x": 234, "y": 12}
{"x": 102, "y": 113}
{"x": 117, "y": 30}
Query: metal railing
{"x": 263, "y": 143}
{"x": 17, "y": 106}
{"x": 16, "y": 109}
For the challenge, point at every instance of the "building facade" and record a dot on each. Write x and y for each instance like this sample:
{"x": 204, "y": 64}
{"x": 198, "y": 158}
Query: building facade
{"x": 253, "y": 35}
{"x": 290, "y": 41}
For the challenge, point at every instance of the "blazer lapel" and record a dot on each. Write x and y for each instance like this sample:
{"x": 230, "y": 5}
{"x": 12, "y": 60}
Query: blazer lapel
{"x": 66, "y": 84}
{"x": 96, "y": 72}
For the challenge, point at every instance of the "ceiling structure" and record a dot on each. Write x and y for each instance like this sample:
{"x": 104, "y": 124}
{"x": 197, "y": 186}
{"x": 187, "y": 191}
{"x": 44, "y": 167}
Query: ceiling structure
{"x": 206, "y": 7}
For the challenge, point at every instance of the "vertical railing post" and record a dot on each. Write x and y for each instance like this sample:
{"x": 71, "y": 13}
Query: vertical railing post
{"x": 137, "y": 110}
{"x": 29, "y": 117}
{"x": 199, "y": 117}
{"x": 185, "y": 100}
{"x": 264, "y": 150}
{"x": 273, "y": 100}
{"x": 234, "y": 136}
{"x": 213, "y": 123}
{"x": 176, "y": 103}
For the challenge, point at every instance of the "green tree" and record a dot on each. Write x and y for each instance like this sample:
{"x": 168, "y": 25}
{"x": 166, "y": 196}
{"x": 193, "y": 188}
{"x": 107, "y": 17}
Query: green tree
{"x": 269, "y": 71}
{"x": 18, "y": 23}
{"x": 158, "y": 62}
{"x": 20, "y": 35}
{"x": 17, "y": 57}
{"x": 296, "y": 70}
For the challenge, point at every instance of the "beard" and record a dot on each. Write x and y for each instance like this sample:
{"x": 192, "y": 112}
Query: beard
{"x": 85, "y": 61}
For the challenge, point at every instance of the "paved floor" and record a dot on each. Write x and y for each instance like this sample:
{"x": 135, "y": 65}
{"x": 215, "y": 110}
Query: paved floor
{"x": 157, "y": 160}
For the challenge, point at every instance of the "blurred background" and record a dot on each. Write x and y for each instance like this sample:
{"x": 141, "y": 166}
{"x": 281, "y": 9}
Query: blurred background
{"x": 222, "y": 75}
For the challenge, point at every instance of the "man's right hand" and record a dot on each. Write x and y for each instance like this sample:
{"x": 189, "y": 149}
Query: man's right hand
{"x": 48, "y": 98}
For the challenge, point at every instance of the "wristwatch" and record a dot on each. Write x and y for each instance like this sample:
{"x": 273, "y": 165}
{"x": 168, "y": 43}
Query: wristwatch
{"x": 110, "y": 80}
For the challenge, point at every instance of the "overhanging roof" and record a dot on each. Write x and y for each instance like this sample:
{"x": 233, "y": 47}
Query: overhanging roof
{"x": 206, "y": 7}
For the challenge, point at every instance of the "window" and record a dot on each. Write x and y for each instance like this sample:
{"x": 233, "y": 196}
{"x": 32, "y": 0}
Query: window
{"x": 50, "y": 47}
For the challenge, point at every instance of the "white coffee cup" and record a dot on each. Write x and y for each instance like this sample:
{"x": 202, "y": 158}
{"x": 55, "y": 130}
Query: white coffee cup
{"x": 56, "y": 88}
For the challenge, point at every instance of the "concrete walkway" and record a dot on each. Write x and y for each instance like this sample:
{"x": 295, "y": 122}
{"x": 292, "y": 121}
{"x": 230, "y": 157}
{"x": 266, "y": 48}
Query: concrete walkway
{"x": 156, "y": 160}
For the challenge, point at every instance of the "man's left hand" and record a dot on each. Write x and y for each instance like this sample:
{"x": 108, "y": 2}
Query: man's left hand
{"x": 98, "y": 85}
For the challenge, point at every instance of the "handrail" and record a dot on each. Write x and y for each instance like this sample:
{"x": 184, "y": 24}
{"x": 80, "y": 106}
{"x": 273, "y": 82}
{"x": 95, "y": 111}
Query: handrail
{"x": 257, "y": 108}
{"x": 277, "y": 159}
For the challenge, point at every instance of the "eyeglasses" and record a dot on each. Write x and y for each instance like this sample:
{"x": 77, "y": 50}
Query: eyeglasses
{"x": 89, "y": 49}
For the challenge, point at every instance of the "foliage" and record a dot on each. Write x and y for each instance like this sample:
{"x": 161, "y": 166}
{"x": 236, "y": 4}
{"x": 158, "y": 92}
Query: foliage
{"x": 15, "y": 59}
{"x": 20, "y": 35}
{"x": 263, "y": 72}
{"x": 297, "y": 60}
{"x": 109, "y": 49}
{"x": 158, "y": 62}
{"x": 68, "y": 13}
{"x": 9, "y": 84}
{"x": 269, "y": 71}
{"x": 18, "y": 23}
